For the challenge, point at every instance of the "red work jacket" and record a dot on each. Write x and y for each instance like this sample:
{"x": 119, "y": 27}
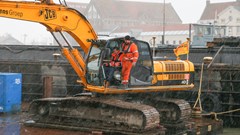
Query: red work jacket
{"x": 130, "y": 52}
{"x": 116, "y": 59}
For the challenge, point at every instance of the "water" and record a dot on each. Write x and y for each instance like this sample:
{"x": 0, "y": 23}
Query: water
{"x": 231, "y": 131}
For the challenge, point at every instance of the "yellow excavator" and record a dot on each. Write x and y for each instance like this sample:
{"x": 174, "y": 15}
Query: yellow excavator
{"x": 140, "y": 109}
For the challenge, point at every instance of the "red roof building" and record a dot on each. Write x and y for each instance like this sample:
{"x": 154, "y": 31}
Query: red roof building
{"x": 112, "y": 15}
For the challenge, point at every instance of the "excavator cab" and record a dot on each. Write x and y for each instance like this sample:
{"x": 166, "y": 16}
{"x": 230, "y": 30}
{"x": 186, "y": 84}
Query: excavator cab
{"x": 100, "y": 53}
{"x": 147, "y": 76}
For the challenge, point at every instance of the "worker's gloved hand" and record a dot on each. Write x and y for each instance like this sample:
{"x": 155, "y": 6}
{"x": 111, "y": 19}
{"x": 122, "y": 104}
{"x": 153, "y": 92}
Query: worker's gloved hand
{"x": 125, "y": 59}
{"x": 134, "y": 64}
{"x": 117, "y": 64}
{"x": 105, "y": 64}
{"x": 112, "y": 63}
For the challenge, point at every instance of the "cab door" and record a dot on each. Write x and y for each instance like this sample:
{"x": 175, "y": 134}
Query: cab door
{"x": 142, "y": 73}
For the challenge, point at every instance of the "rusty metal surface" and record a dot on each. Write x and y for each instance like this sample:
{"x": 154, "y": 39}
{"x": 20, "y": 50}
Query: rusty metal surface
{"x": 47, "y": 86}
{"x": 206, "y": 126}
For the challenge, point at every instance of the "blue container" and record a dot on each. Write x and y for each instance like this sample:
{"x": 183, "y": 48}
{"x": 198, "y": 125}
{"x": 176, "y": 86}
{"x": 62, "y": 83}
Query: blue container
{"x": 10, "y": 92}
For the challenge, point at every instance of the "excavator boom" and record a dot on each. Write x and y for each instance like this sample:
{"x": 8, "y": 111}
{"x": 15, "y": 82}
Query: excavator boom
{"x": 56, "y": 18}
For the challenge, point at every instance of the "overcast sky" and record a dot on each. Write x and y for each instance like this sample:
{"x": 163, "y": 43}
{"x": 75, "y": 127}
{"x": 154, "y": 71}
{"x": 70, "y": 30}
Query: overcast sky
{"x": 188, "y": 10}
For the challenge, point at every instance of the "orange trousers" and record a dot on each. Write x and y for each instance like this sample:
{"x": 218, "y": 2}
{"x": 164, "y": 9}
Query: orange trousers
{"x": 126, "y": 69}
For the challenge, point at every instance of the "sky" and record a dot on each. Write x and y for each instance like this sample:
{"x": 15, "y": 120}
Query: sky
{"x": 188, "y": 10}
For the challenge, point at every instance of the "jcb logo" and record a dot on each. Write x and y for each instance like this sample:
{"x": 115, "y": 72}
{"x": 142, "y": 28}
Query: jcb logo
{"x": 50, "y": 14}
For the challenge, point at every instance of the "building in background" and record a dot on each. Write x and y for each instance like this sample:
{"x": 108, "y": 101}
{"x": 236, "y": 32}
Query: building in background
{"x": 145, "y": 20}
{"x": 81, "y": 7}
{"x": 111, "y": 15}
{"x": 142, "y": 20}
{"x": 223, "y": 14}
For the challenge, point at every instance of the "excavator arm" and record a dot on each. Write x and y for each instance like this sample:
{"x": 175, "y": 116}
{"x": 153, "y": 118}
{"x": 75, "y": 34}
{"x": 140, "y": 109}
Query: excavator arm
{"x": 56, "y": 18}
{"x": 60, "y": 18}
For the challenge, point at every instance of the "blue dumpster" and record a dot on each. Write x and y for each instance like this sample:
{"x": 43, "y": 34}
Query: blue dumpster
{"x": 10, "y": 92}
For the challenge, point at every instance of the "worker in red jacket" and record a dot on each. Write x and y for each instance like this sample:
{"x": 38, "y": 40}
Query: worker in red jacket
{"x": 129, "y": 59}
{"x": 115, "y": 63}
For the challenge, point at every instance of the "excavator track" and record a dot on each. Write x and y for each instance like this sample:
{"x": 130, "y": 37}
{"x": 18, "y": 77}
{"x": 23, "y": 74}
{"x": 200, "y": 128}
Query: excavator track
{"x": 104, "y": 114}
{"x": 174, "y": 114}
{"x": 170, "y": 110}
